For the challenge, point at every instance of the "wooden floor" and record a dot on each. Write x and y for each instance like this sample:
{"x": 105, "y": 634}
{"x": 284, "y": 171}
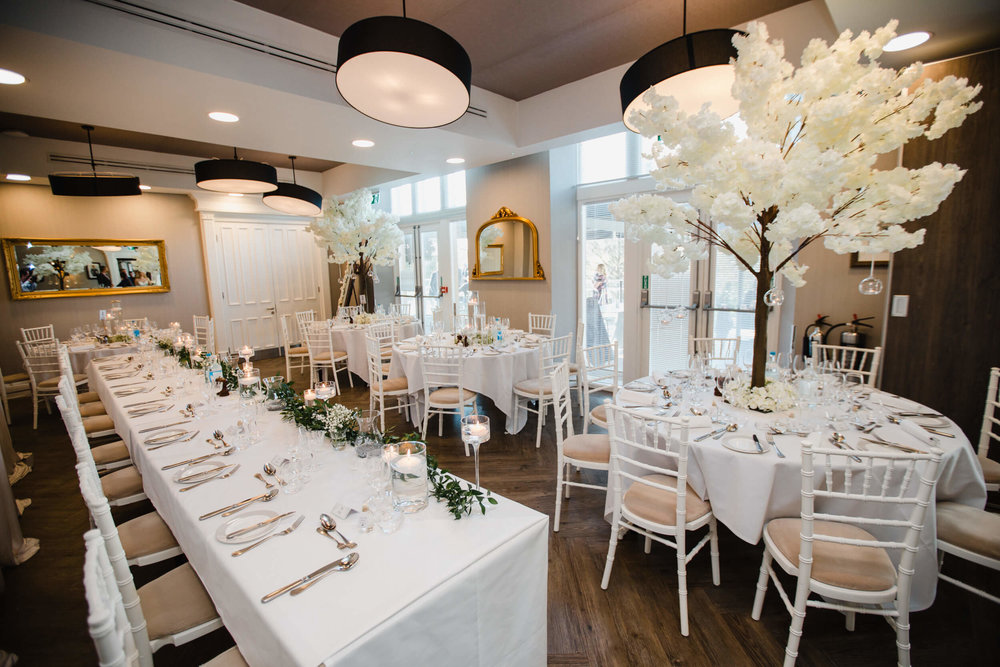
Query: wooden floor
{"x": 634, "y": 622}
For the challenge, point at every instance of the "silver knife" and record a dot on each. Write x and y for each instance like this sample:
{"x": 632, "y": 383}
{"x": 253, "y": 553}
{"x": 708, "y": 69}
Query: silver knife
{"x": 756, "y": 441}
{"x": 770, "y": 441}
{"x": 341, "y": 562}
{"x": 709, "y": 435}
{"x": 157, "y": 428}
{"x": 197, "y": 459}
{"x": 197, "y": 475}
{"x": 220, "y": 473}
{"x": 351, "y": 559}
{"x": 259, "y": 524}
{"x": 240, "y": 504}
{"x": 135, "y": 405}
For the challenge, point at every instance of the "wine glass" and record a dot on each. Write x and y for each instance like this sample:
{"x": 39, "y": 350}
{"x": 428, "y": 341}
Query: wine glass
{"x": 475, "y": 431}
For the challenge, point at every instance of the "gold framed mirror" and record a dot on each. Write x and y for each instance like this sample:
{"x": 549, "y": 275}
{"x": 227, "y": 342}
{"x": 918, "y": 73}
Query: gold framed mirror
{"x": 507, "y": 249}
{"x": 53, "y": 268}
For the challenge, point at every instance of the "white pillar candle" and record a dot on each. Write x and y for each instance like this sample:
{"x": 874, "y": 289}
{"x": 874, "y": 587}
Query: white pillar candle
{"x": 409, "y": 464}
{"x": 309, "y": 396}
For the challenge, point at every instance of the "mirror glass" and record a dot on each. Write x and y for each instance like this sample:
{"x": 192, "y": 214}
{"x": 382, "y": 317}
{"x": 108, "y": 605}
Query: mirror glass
{"x": 44, "y": 268}
{"x": 507, "y": 249}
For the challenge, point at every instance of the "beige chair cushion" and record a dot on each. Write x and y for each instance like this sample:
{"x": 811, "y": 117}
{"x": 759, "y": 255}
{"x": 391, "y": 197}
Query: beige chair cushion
{"x": 573, "y": 368}
{"x": 842, "y": 565}
{"x": 660, "y": 506}
{"x": 386, "y": 367}
{"x": 231, "y": 658}
{"x": 121, "y": 483}
{"x": 991, "y": 470}
{"x": 145, "y": 535}
{"x": 599, "y": 414}
{"x": 588, "y": 447}
{"x": 392, "y": 384}
{"x": 449, "y": 396}
{"x": 53, "y": 381}
{"x": 15, "y": 377}
{"x": 87, "y": 397}
{"x": 297, "y": 351}
{"x": 98, "y": 423}
{"x": 325, "y": 356}
{"x": 92, "y": 409}
{"x": 109, "y": 453}
{"x": 174, "y": 602}
{"x": 969, "y": 528}
{"x": 536, "y": 386}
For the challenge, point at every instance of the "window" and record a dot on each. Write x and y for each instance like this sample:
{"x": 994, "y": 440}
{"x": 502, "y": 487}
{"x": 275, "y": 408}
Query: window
{"x": 401, "y": 200}
{"x": 454, "y": 188}
{"x": 603, "y": 159}
{"x": 429, "y": 195}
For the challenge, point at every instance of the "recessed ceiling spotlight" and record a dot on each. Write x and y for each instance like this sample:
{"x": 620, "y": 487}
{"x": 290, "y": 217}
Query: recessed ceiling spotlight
{"x": 455, "y": 160}
{"x": 11, "y": 78}
{"x": 907, "y": 41}
{"x": 363, "y": 143}
{"x": 18, "y": 177}
{"x": 145, "y": 187}
{"x": 224, "y": 116}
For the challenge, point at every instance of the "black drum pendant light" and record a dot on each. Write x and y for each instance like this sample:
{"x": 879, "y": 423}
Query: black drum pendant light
{"x": 294, "y": 199}
{"x": 694, "y": 69}
{"x": 403, "y": 72}
{"x": 93, "y": 184}
{"x": 236, "y": 175}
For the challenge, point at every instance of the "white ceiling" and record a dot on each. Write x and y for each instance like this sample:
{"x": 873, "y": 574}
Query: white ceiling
{"x": 143, "y": 72}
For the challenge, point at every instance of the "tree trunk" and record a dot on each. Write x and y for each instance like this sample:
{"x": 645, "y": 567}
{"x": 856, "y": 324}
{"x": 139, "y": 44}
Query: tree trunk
{"x": 760, "y": 329}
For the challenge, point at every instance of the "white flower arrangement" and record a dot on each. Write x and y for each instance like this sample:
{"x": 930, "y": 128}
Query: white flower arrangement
{"x": 774, "y": 396}
{"x": 147, "y": 259}
{"x": 355, "y": 227}
{"x": 340, "y": 421}
{"x": 364, "y": 318}
{"x": 60, "y": 260}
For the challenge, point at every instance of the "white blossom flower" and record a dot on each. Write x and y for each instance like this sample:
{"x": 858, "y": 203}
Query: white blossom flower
{"x": 354, "y": 227}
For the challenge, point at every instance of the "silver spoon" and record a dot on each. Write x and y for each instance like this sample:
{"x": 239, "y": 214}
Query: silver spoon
{"x": 322, "y": 531}
{"x": 218, "y": 435}
{"x": 705, "y": 436}
{"x": 273, "y": 472}
{"x": 269, "y": 497}
{"x": 728, "y": 429}
{"x": 261, "y": 478}
{"x": 327, "y": 522}
{"x": 286, "y": 531}
{"x": 345, "y": 563}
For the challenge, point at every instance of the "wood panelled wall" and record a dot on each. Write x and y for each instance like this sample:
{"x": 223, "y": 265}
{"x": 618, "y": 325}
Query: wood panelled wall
{"x": 941, "y": 353}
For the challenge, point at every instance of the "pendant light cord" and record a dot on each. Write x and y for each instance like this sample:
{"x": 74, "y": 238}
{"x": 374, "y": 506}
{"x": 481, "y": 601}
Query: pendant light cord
{"x": 93, "y": 165}
{"x": 404, "y": 8}
{"x": 684, "y": 19}
{"x": 292, "y": 158}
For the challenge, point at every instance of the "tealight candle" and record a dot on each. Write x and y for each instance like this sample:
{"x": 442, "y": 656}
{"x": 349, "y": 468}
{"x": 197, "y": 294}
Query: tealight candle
{"x": 246, "y": 351}
{"x": 309, "y": 396}
{"x": 323, "y": 391}
{"x": 478, "y": 431}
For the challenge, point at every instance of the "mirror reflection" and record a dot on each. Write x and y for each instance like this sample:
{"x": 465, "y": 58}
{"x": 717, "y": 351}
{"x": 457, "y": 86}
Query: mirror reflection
{"x": 507, "y": 249}
{"x": 42, "y": 268}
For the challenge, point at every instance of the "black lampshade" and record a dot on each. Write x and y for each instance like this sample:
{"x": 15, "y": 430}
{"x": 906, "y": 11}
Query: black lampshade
{"x": 242, "y": 176}
{"x": 94, "y": 184}
{"x": 295, "y": 200}
{"x": 693, "y": 68}
{"x": 403, "y": 72}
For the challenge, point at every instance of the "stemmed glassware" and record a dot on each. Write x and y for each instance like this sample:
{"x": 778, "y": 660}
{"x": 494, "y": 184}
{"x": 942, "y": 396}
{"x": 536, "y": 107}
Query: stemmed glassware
{"x": 475, "y": 431}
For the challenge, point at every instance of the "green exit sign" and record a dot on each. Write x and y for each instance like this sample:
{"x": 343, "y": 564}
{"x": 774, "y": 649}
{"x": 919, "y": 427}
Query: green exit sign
{"x": 645, "y": 282}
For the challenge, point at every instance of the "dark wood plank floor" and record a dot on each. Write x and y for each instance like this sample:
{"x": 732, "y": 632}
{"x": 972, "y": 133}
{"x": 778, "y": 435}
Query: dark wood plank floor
{"x": 634, "y": 622}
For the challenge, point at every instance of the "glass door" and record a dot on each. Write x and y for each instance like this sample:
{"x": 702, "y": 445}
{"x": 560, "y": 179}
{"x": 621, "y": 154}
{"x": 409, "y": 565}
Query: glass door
{"x": 602, "y": 288}
{"x": 418, "y": 272}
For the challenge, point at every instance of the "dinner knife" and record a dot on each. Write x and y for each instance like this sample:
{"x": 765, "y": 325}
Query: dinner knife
{"x": 196, "y": 475}
{"x": 756, "y": 441}
{"x": 259, "y": 524}
{"x": 894, "y": 446}
{"x": 157, "y": 428}
{"x": 340, "y": 562}
{"x": 155, "y": 400}
{"x": 243, "y": 503}
{"x": 197, "y": 459}
{"x": 918, "y": 414}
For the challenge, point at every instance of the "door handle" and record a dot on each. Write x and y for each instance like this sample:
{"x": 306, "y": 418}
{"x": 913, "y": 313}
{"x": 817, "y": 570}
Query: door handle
{"x": 695, "y": 300}
{"x": 707, "y": 303}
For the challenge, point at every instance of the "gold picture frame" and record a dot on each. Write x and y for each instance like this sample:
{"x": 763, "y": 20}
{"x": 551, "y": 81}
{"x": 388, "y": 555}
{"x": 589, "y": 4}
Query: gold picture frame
{"x": 534, "y": 269}
{"x": 26, "y": 281}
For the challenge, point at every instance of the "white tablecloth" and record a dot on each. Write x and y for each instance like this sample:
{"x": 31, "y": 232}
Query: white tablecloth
{"x": 493, "y": 376}
{"x": 748, "y": 490}
{"x": 438, "y": 591}
{"x": 80, "y": 354}
{"x": 351, "y": 339}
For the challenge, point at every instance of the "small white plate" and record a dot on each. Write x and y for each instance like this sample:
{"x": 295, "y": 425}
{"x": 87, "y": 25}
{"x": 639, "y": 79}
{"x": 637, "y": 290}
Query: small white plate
{"x": 744, "y": 445}
{"x": 198, "y": 472}
{"x": 165, "y": 437}
{"x": 932, "y": 422}
{"x": 245, "y": 520}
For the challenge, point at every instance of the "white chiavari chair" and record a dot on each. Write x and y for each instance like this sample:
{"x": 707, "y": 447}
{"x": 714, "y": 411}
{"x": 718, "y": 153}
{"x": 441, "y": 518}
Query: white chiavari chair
{"x": 971, "y": 534}
{"x": 42, "y": 364}
{"x": 574, "y": 366}
{"x": 322, "y": 355}
{"x": 13, "y": 385}
{"x": 856, "y": 361}
{"x": 551, "y": 353}
{"x": 648, "y": 483}
{"x": 106, "y": 618}
{"x": 379, "y": 387}
{"x": 444, "y": 387}
{"x": 345, "y": 312}
{"x": 403, "y": 309}
{"x": 296, "y": 354}
{"x": 829, "y": 548}
{"x": 988, "y": 433}
{"x": 598, "y": 373}
{"x": 385, "y": 331}
{"x": 592, "y": 452}
{"x": 725, "y": 350}
{"x": 301, "y": 319}
{"x": 172, "y": 609}
{"x": 204, "y": 332}
{"x": 96, "y": 421}
{"x": 122, "y": 486}
{"x": 33, "y": 334}
{"x": 544, "y": 325}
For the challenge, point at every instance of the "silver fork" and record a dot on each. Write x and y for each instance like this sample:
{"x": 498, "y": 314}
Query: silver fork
{"x": 212, "y": 479}
{"x": 286, "y": 531}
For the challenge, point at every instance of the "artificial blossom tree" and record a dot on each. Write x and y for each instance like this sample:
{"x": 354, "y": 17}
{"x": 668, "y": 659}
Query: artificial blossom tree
{"x": 804, "y": 169}
{"x": 60, "y": 261}
{"x": 356, "y": 233}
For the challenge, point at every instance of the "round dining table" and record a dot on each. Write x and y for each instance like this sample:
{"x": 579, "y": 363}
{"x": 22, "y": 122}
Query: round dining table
{"x": 490, "y": 371}
{"x": 351, "y": 339}
{"x": 747, "y": 488}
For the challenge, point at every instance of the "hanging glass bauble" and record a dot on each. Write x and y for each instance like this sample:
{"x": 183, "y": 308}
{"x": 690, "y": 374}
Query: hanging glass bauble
{"x": 774, "y": 297}
{"x": 870, "y": 286}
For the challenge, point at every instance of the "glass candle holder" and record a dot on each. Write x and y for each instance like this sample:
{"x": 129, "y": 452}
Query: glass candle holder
{"x": 408, "y": 463}
{"x": 249, "y": 381}
{"x": 475, "y": 431}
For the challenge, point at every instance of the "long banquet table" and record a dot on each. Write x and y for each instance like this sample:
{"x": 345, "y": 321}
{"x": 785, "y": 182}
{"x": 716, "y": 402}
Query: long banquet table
{"x": 747, "y": 490}
{"x": 438, "y": 591}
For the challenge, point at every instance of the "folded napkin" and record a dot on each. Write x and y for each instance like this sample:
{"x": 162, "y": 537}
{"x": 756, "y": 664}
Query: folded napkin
{"x": 627, "y": 397}
{"x": 914, "y": 429}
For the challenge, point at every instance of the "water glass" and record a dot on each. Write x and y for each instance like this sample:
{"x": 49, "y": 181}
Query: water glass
{"x": 292, "y": 472}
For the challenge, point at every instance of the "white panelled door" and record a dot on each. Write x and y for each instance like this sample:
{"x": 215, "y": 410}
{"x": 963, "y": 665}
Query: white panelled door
{"x": 259, "y": 270}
